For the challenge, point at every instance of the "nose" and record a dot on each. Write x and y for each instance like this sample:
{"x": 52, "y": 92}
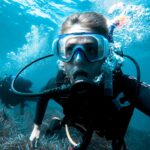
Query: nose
{"x": 79, "y": 57}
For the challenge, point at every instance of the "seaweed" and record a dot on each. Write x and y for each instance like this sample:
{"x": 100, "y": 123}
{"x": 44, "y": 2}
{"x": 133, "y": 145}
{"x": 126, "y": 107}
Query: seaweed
{"x": 15, "y": 131}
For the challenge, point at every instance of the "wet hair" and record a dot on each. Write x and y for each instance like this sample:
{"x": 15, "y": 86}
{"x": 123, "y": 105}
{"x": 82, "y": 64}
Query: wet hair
{"x": 95, "y": 21}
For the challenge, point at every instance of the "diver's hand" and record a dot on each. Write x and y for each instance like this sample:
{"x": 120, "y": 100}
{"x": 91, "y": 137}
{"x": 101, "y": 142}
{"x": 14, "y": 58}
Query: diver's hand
{"x": 34, "y": 137}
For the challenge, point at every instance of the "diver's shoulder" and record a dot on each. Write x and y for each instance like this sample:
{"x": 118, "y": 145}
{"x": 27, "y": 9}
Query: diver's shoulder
{"x": 56, "y": 81}
{"x": 51, "y": 83}
{"x": 121, "y": 75}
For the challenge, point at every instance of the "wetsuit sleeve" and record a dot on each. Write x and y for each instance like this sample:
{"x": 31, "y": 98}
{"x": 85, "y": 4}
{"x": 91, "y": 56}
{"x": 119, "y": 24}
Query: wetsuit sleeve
{"x": 42, "y": 104}
{"x": 40, "y": 110}
{"x": 141, "y": 100}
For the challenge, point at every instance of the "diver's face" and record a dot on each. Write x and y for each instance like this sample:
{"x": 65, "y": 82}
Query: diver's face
{"x": 79, "y": 65}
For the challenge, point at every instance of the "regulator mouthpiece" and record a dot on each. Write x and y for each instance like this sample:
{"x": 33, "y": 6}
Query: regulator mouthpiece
{"x": 81, "y": 84}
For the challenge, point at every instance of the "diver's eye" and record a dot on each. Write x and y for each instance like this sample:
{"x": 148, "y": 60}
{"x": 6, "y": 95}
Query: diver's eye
{"x": 69, "y": 49}
{"x": 90, "y": 46}
{"x": 91, "y": 50}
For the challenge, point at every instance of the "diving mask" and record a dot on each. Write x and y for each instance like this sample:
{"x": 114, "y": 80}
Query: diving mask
{"x": 94, "y": 46}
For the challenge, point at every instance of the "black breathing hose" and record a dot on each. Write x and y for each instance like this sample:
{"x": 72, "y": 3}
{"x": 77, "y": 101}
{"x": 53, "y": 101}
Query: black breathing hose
{"x": 137, "y": 72}
{"x": 64, "y": 87}
{"x": 51, "y": 92}
{"x": 111, "y": 40}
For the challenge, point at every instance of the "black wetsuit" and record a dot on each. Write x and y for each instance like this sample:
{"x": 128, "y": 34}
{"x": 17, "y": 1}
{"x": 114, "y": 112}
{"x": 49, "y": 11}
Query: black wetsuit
{"x": 110, "y": 116}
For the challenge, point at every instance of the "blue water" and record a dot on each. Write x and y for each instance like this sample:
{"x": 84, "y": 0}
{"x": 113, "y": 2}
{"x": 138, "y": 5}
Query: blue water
{"x": 27, "y": 28}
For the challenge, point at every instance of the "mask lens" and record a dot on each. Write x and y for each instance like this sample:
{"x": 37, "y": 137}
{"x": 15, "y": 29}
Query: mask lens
{"x": 69, "y": 50}
{"x": 64, "y": 51}
{"x": 91, "y": 45}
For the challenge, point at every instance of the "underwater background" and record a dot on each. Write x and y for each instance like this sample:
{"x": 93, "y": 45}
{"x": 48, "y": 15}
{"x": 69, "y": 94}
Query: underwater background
{"x": 27, "y": 29}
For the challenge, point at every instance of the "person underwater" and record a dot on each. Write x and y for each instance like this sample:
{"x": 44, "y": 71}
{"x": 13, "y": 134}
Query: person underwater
{"x": 8, "y": 98}
{"x": 100, "y": 97}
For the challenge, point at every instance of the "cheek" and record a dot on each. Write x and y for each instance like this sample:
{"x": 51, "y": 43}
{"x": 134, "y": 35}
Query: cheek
{"x": 95, "y": 68}
{"x": 67, "y": 67}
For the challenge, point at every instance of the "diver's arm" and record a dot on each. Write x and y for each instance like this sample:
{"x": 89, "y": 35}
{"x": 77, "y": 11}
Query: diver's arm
{"x": 42, "y": 103}
{"x": 40, "y": 110}
{"x": 39, "y": 115}
{"x": 142, "y": 99}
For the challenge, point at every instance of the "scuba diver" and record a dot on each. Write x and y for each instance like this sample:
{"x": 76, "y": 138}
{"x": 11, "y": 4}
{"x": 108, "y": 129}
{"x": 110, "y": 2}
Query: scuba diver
{"x": 100, "y": 97}
{"x": 8, "y": 98}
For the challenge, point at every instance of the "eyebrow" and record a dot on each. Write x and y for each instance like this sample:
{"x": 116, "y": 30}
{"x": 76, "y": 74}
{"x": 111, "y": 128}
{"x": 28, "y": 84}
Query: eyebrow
{"x": 74, "y": 40}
